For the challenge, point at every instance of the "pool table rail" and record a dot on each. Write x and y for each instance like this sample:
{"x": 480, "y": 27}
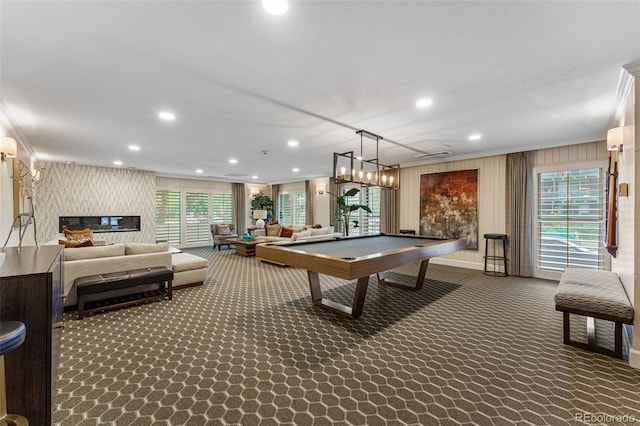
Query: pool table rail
{"x": 357, "y": 267}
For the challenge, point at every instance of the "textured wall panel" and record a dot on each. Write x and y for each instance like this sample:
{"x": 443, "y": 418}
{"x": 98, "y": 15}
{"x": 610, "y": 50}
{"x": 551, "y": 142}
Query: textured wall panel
{"x": 75, "y": 190}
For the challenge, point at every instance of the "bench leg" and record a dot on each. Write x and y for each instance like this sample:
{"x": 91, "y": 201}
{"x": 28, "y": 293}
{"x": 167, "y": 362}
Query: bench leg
{"x": 591, "y": 345}
{"x": 618, "y": 340}
{"x": 567, "y": 328}
{"x": 170, "y": 289}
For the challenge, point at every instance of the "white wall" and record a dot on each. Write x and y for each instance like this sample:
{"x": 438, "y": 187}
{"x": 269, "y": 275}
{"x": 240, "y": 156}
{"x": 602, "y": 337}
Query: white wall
{"x": 6, "y": 190}
{"x": 322, "y": 202}
{"x": 491, "y": 202}
{"x": 628, "y": 234}
{"x": 623, "y": 264}
{"x": 491, "y": 192}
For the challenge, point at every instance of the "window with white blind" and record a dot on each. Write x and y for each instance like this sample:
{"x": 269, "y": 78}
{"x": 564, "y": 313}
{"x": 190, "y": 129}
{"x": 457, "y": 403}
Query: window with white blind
{"x": 368, "y": 223}
{"x": 197, "y": 218}
{"x": 168, "y": 224}
{"x": 299, "y": 208}
{"x": 570, "y": 219}
{"x": 221, "y": 207}
{"x": 292, "y": 208}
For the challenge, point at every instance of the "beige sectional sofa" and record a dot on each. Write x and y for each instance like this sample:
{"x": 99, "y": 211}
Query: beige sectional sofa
{"x": 189, "y": 270}
{"x": 302, "y": 233}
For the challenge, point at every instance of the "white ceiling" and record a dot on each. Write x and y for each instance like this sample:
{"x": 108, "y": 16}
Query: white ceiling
{"x": 82, "y": 80}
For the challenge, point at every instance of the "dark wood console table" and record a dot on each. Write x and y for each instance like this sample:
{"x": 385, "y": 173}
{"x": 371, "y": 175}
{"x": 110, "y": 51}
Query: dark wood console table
{"x": 31, "y": 292}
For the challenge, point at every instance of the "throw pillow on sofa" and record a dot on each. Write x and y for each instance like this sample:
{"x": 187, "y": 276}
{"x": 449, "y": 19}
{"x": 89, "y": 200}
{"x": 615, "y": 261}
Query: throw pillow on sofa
{"x": 273, "y": 230}
{"x": 75, "y": 244}
{"x": 286, "y": 232}
{"x": 82, "y": 235}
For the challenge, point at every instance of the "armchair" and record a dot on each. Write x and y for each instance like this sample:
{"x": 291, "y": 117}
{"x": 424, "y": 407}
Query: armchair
{"x": 222, "y": 233}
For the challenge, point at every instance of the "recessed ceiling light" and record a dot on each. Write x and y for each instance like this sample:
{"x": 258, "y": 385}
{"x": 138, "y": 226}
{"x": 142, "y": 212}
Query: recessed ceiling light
{"x": 275, "y": 7}
{"x": 233, "y": 161}
{"x": 199, "y": 171}
{"x": 167, "y": 116}
{"x": 295, "y": 170}
{"x": 134, "y": 148}
{"x": 423, "y": 103}
{"x": 293, "y": 143}
{"x": 475, "y": 137}
{"x": 254, "y": 177}
{"x": 118, "y": 163}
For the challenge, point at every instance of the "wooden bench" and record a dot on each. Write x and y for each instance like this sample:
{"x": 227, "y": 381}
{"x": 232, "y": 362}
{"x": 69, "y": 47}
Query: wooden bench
{"x": 117, "y": 289}
{"x": 596, "y": 294}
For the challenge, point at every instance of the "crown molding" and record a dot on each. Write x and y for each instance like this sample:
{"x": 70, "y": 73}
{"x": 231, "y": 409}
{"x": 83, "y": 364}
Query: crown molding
{"x": 633, "y": 68}
{"x": 625, "y": 82}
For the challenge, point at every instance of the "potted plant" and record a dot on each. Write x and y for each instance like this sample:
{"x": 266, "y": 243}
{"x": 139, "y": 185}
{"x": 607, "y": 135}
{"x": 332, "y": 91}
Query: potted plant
{"x": 261, "y": 201}
{"x": 345, "y": 210}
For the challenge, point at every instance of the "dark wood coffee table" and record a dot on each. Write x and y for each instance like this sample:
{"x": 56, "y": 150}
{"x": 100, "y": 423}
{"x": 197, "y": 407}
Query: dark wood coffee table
{"x": 247, "y": 248}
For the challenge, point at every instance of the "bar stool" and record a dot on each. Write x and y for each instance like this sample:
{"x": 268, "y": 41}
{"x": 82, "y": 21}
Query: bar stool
{"x": 12, "y": 334}
{"x": 494, "y": 258}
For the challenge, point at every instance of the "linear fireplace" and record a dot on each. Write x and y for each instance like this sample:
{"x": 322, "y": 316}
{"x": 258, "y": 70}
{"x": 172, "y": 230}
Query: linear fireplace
{"x": 100, "y": 224}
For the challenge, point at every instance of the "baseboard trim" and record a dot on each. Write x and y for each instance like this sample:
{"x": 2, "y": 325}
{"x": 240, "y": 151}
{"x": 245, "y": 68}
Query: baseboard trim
{"x": 189, "y": 285}
{"x": 634, "y": 358}
{"x": 457, "y": 263}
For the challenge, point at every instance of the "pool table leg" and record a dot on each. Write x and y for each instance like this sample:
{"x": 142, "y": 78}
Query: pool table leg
{"x": 352, "y": 312}
{"x": 419, "y": 281}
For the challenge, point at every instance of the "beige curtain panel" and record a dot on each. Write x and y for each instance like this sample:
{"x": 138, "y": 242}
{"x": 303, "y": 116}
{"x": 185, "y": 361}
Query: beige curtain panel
{"x": 519, "y": 215}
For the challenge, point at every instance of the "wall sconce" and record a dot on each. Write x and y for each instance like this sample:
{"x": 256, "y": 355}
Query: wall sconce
{"x": 320, "y": 189}
{"x": 614, "y": 139}
{"x": 8, "y": 148}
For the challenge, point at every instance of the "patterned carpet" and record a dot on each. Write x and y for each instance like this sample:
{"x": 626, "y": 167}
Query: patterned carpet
{"x": 250, "y": 348}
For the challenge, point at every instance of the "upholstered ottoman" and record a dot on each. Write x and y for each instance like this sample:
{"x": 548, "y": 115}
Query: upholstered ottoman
{"x": 188, "y": 270}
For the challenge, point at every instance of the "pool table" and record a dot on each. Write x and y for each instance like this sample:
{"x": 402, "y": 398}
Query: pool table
{"x": 355, "y": 258}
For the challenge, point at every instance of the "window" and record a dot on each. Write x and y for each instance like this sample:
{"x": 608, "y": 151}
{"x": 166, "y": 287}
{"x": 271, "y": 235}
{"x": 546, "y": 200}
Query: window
{"x": 168, "y": 217}
{"x": 368, "y": 223}
{"x": 570, "y": 219}
{"x": 299, "y": 208}
{"x": 371, "y": 221}
{"x": 285, "y": 209}
{"x": 292, "y": 208}
{"x": 197, "y": 218}
{"x": 221, "y": 207}
{"x": 182, "y": 218}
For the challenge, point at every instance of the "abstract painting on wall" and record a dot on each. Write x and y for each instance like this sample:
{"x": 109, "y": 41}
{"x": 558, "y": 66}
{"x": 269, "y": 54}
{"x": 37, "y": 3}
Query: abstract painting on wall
{"x": 449, "y": 205}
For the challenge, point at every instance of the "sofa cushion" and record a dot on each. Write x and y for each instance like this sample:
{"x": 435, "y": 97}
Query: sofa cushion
{"x": 82, "y": 235}
{"x": 300, "y": 235}
{"x": 75, "y": 244}
{"x": 319, "y": 231}
{"x": 144, "y": 248}
{"x": 187, "y": 262}
{"x": 94, "y": 252}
